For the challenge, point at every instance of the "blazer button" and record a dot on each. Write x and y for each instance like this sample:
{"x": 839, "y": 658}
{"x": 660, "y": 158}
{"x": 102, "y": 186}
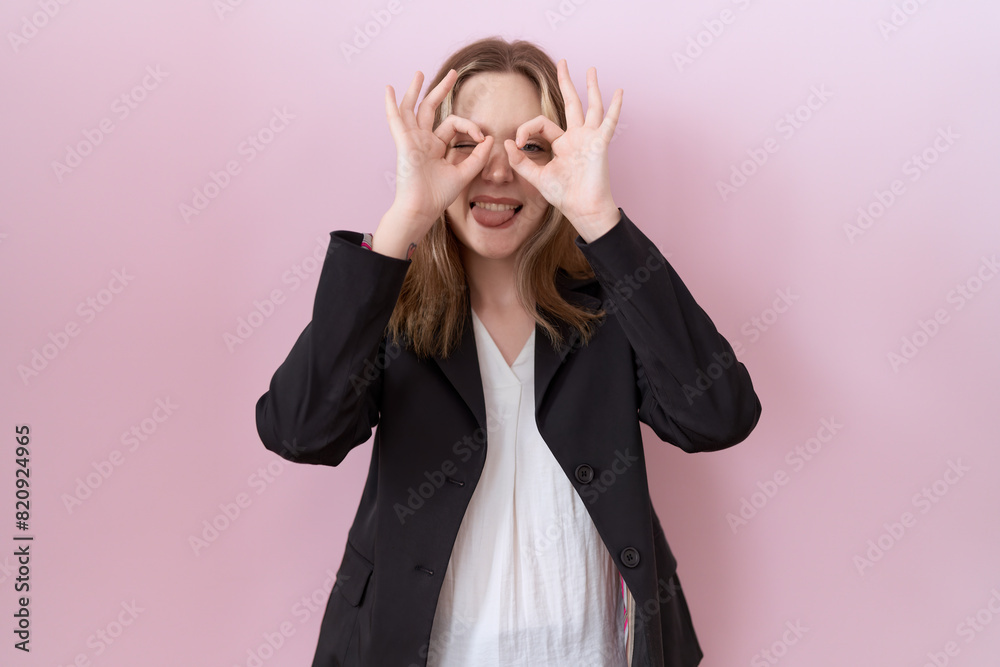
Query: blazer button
{"x": 630, "y": 556}
{"x": 584, "y": 473}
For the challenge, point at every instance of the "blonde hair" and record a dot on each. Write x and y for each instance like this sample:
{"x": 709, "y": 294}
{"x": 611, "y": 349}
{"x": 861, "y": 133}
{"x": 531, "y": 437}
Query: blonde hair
{"x": 433, "y": 305}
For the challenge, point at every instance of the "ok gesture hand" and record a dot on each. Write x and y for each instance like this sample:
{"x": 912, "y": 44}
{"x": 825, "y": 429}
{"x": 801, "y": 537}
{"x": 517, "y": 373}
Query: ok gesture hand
{"x": 426, "y": 181}
{"x": 576, "y": 180}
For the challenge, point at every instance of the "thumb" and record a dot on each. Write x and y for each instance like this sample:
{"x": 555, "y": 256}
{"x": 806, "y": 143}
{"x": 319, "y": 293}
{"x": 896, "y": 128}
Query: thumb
{"x": 525, "y": 168}
{"x": 476, "y": 161}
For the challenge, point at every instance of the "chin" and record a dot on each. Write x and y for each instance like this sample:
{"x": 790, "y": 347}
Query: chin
{"x": 492, "y": 248}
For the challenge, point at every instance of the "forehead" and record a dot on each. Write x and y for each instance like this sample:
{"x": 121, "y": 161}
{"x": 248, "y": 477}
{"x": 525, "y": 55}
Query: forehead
{"x": 498, "y": 97}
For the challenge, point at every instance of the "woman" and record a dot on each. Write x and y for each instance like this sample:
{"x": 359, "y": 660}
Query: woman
{"x": 504, "y": 304}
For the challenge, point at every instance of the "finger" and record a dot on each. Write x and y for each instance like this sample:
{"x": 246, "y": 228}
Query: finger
{"x": 520, "y": 163}
{"x": 595, "y": 106}
{"x": 614, "y": 112}
{"x": 539, "y": 125}
{"x": 410, "y": 98}
{"x": 453, "y": 124}
{"x": 425, "y": 115}
{"x": 472, "y": 165}
{"x": 392, "y": 111}
{"x": 574, "y": 110}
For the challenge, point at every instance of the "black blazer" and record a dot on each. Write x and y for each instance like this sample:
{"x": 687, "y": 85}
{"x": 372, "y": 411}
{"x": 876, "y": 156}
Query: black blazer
{"x": 656, "y": 357}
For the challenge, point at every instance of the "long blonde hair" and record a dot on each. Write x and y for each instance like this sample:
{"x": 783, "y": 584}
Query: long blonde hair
{"x": 433, "y": 306}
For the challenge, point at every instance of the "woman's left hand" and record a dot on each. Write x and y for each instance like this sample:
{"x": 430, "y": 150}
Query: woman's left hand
{"x": 576, "y": 180}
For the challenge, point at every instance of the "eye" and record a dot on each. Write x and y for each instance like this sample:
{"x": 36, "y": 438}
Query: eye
{"x": 536, "y": 147}
{"x": 464, "y": 146}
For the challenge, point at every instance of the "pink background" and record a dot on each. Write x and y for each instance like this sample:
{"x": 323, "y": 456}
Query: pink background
{"x": 849, "y": 301}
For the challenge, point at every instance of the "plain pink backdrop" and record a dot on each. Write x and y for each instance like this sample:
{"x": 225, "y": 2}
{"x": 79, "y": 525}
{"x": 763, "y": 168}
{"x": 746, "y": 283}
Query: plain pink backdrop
{"x": 708, "y": 90}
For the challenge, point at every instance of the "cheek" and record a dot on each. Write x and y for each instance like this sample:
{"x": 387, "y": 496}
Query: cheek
{"x": 538, "y": 202}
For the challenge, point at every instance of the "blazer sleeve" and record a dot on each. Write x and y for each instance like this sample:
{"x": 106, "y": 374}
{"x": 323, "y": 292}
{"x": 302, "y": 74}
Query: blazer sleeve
{"x": 324, "y": 398}
{"x": 695, "y": 394}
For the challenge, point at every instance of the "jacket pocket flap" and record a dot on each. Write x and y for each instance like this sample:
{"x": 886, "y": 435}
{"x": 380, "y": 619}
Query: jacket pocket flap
{"x": 353, "y": 575}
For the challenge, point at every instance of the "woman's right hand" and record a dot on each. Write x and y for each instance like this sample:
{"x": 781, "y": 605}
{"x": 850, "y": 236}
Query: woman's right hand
{"x": 426, "y": 182}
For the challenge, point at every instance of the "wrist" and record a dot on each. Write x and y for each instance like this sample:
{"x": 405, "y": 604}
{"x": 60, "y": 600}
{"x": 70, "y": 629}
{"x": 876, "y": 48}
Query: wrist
{"x": 394, "y": 237}
{"x": 594, "y": 226}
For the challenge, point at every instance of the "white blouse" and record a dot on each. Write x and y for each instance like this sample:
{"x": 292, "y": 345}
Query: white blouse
{"x": 530, "y": 582}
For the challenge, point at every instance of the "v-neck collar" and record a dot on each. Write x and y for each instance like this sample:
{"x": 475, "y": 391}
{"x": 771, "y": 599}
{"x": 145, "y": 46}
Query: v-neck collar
{"x": 490, "y": 354}
{"x": 462, "y": 366}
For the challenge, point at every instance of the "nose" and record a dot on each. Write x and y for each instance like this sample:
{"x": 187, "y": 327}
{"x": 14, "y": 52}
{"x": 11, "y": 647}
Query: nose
{"x": 497, "y": 168}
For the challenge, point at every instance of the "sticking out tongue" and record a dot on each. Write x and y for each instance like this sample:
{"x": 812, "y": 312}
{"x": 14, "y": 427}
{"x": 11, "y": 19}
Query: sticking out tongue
{"x": 493, "y": 218}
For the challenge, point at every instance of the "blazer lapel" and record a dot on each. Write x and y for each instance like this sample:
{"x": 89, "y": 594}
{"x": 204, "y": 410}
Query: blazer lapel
{"x": 462, "y": 366}
{"x": 548, "y": 359}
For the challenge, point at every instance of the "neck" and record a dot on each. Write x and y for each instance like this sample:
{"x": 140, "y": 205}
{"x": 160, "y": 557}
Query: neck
{"x": 491, "y": 283}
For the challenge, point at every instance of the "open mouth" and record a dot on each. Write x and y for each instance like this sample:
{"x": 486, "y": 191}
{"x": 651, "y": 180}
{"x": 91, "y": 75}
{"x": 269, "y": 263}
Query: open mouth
{"x": 494, "y": 215}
